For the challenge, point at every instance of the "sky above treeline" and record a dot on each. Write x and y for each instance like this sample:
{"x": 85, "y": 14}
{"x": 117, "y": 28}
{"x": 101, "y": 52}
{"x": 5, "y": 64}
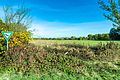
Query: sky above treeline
{"x": 63, "y": 18}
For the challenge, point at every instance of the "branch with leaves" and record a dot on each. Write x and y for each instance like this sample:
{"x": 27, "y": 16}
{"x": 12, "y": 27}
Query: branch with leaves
{"x": 111, "y": 11}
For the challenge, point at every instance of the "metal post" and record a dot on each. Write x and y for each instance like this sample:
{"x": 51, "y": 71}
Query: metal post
{"x": 7, "y": 44}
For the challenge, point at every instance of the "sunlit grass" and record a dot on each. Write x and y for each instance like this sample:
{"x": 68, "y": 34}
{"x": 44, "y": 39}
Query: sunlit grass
{"x": 81, "y": 42}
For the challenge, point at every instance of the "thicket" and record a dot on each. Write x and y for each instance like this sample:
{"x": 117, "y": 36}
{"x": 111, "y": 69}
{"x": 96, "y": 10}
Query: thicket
{"x": 18, "y": 38}
{"x": 15, "y": 20}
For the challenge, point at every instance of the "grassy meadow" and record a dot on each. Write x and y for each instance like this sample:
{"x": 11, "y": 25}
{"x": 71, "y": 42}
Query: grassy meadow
{"x": 80, "y": 42}
{"x": 75, "y": 56}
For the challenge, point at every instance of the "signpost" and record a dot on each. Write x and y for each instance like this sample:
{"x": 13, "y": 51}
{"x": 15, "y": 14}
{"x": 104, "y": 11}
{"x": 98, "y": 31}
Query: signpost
{"x": 7, "y": 36}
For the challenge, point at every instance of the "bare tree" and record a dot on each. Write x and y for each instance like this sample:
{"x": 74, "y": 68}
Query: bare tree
{"x": 17, "y": 17}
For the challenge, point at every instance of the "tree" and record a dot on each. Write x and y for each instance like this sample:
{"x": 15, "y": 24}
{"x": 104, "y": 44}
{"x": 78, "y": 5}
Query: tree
{"x": 105, "y": 37}
{"x": 112, "y": 13}
{"x": 73, "y": 38}
{"x": 114, "y": 34}
{"x": 17, "y": 19}
{"x": 90, "y": 37}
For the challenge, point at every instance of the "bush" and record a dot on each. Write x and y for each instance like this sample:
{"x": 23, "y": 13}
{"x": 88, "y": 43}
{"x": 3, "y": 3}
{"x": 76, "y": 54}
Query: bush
{"x": 17, "y": 39}
{"x": 2, "y": 44}
{"x": 2, "y": 40}
{"x": 23, "y": 58}
{"x": 114, "y": 34}
{"x": 20, "y": 39}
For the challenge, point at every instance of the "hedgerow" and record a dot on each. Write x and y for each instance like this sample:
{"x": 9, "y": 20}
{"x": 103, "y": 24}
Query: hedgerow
{"x": 19, "y": 38}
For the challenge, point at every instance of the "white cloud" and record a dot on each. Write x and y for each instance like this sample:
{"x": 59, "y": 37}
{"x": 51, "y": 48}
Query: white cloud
{"x": 58, "y": 29}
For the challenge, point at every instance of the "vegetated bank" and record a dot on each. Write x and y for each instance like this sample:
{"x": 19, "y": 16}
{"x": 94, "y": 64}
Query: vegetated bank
{"x": 61, "y": 62}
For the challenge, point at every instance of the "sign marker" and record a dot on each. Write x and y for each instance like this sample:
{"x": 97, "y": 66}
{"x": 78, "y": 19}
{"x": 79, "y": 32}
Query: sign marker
{"x": 7, "y": 36}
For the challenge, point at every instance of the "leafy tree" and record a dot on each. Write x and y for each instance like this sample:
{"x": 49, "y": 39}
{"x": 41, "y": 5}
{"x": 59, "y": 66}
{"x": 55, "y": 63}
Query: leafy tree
{"x": 114, "y": 34}
{"x": 90, "y": 37}
{"x": 106, "y": 37}
{"x": 73, "y": 38}
{"x": 112, "y": 13}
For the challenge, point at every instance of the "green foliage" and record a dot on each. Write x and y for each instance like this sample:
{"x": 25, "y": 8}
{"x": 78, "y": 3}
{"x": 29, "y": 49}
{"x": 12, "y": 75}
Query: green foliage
{"x": 23, "y": 58}
{"x": 20, "y": 39}
{"x": 98, "y": 37}
{"x": 2, "y": 40}
{"x": 20, "y": 36}
{"x": 17, "y": 21}
{"x": 89, "y": 37}
{"x": 115, "y": 34}
{"x": 2, "y": 44}
{"x": 109, "y": 51}
{"x": 112, "y": 13}
{"x": 66, "y": 62}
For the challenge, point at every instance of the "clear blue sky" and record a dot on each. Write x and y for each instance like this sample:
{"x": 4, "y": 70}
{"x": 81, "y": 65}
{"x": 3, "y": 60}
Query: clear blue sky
{"x": 64, "y": 18}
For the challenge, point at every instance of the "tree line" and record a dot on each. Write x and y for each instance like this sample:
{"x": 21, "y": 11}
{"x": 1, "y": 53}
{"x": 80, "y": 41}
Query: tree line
{"x": 104, "y": 36}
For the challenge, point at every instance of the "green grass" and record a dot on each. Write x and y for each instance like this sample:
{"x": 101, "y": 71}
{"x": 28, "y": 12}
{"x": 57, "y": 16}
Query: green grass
{"x": 108, "y": 71}
{"x": 60, "y": 66}
{"x": 81, "y": 42}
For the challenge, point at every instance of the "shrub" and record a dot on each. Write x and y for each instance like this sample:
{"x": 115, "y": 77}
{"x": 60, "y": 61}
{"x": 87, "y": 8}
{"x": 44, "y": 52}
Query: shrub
{"x": 17, "y": 39}
{"x": 2, "y": 44}
{"x": 23, "y": 58}
{"x": 2, "y": 40}
{"x": 20, "y": 38}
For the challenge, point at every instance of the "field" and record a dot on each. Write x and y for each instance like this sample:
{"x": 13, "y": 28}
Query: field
{"x": 80, "y": 42}
{"x": 62, "y": 60}
{"x": 59, "y": 40}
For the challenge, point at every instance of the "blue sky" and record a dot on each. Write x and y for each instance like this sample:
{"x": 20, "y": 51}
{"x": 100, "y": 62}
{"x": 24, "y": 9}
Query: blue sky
{"x": 64, "y": 18}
